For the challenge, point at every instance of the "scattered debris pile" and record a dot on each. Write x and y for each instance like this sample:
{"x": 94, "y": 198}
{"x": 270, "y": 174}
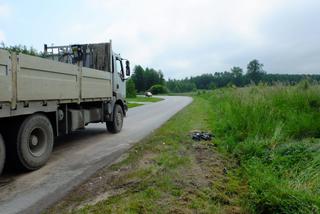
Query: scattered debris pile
{"x": 200, "y": 135}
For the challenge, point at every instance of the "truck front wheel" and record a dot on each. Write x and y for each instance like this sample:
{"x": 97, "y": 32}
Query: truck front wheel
{"x": 116, "y": 125}
{"x": 34, "y": 142}
{"x": 2, "y": 154}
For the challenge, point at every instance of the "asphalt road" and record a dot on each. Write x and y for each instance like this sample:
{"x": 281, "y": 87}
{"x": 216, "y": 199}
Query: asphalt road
{"x": 76, "y": 157}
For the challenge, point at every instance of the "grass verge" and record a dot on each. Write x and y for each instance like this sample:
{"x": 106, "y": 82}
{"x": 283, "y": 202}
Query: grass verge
{"x": 274, "y": 133}
{"x": 269, "y": 134}
{"x": 165, "y": 173}
{"x": 144, "y": 99}
{"x": 132, "y": 105}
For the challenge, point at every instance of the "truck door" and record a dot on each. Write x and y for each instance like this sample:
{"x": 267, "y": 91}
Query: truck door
{"x": 119, "y": 85}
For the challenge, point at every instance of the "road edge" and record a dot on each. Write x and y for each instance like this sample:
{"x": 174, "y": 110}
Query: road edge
{"x": 107, "y": 161}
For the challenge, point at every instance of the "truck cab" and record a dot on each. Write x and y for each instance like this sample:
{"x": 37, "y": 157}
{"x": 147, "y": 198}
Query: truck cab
{"x": 119, "y": 86}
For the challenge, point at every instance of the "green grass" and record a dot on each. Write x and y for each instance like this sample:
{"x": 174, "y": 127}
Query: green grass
{"x": 163, "y": 186}
{"x": 167, "y": 172}
{"x": 267, "y": 138}
{"x": 274, "y": 133}
{"x": 132, "y": 105}
{"x": 144, "y": 99}
{"x": 190, "y": 94}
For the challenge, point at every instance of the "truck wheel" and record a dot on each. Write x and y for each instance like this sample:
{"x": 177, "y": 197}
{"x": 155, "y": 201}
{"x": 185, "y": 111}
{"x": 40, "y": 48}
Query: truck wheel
{"x": 2, "y": 154}
{"x": 34, "y": 142}
{"x": 116, "y": 125}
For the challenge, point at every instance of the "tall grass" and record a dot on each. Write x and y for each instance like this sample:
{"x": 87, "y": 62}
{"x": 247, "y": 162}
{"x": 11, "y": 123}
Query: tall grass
{"x": 274, "y": 133}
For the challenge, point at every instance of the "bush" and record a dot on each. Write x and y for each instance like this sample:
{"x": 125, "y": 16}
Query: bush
{"x": 158, "y": 89}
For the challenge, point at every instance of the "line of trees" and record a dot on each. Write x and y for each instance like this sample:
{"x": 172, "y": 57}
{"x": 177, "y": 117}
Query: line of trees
{"x": 143, "y": 79}
{"x": 254, "y": 74}
{"x": 21, "y": 49}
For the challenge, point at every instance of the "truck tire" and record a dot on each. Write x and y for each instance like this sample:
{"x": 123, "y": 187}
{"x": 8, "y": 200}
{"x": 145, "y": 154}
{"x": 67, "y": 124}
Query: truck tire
{"x": 116, "y": 125}
{"x": 2, "y": 154}
{"x": 34, "y": 142}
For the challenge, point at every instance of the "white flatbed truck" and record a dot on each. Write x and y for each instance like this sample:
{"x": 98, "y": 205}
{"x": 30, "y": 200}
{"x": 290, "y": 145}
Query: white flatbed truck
{"x": 66, "y": 89}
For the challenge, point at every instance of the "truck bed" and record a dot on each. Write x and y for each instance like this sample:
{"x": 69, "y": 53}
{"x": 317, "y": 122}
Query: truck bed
{"x": 28, "y": 78}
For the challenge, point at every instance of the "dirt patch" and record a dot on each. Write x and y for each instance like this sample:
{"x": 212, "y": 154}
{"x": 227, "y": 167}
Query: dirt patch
{"x": 106, "y": 183}
{"x": 202, "y": 179}
{"x": 204, "y": 176}
{"x": 147, "y": 160}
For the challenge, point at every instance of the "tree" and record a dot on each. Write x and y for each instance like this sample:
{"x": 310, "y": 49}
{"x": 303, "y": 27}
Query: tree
{"x": 236, "y": 71}
{"x": 237, "y": 75}
{"x": 131, "y": 91}
{"x": 138, "y": 79}
{"x": 158, "y": 89}
{"x": 255, "y": 71}
{"x": 213, "y": 86}
{"x": 145, "y": 78}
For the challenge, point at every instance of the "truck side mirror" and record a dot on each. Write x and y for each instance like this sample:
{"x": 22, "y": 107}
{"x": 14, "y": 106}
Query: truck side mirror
{"x": 127, "y": 68}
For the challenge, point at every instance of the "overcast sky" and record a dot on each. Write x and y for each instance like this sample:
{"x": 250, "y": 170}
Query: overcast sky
{"x": 181, "y": 37}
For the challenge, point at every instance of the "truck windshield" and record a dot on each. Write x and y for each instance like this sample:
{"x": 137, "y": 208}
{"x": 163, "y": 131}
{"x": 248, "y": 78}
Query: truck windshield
{"x": 118, "y": 66}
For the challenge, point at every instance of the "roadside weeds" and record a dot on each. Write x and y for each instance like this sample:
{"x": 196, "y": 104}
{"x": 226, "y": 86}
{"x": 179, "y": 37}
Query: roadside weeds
{"x": 165, "y": 173}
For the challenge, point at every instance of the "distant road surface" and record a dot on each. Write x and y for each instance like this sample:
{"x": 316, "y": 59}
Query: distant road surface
{"x": 76, "y": 157}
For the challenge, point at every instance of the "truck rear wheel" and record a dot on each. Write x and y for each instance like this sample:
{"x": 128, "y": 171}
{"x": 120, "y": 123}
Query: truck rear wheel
{"x": 34, "y": 142}
{"x": 2, "y": 154}
{"x": 116, "y": 125}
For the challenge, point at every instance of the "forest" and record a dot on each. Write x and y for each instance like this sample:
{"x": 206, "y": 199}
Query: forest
{"x": 143, "y": 79}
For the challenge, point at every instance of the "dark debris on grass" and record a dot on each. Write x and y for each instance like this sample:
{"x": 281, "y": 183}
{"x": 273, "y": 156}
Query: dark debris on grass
{"x": 201, "y": 135}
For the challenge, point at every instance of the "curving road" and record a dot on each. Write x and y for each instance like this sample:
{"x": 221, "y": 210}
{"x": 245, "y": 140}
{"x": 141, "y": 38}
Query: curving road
{"x": 76, "y": 157}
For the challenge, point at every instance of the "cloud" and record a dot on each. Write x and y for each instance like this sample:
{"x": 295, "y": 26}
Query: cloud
{"x": 290, "y": 38}
{"x": 175, "y": 35}
{"x": 183, "y": 37}
{"x": 5, "y": 10}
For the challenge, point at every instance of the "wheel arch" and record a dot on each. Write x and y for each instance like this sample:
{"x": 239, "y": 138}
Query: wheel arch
{"x": 52, "y": 116}
{"x": 13, "y": 123}
{"x": 121, "y": 103}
